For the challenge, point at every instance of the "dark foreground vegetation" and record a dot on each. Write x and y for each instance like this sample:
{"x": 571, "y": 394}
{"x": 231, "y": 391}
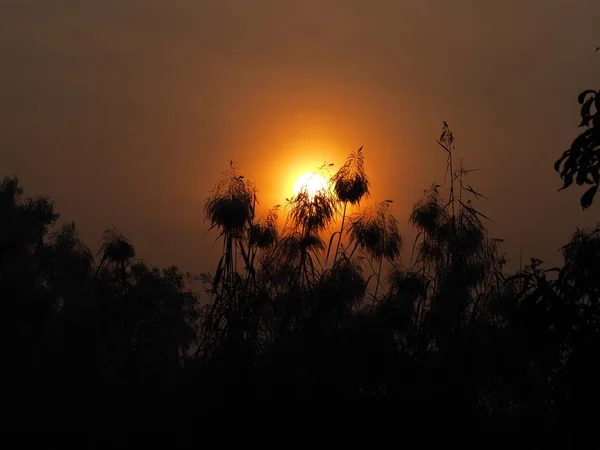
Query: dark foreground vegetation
{"x": 318, "y": 313}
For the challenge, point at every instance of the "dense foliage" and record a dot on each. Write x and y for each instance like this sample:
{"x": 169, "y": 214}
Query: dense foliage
{"x": 312, "y": 313}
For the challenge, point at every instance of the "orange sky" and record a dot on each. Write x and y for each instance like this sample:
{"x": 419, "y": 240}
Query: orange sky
{"x": 125, "y": 112}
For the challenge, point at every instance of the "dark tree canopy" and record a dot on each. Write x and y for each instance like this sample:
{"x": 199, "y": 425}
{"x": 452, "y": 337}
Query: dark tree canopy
{"x": 581, "y": 162}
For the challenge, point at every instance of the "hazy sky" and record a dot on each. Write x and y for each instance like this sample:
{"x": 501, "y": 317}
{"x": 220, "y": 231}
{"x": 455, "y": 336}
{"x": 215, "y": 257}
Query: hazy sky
{"x": 125, "y": 112}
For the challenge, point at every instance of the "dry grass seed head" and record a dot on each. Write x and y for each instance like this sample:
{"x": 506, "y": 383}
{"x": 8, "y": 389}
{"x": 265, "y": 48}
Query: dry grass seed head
{"x": 231, "y": 205}
{"x": 351, "y": 183}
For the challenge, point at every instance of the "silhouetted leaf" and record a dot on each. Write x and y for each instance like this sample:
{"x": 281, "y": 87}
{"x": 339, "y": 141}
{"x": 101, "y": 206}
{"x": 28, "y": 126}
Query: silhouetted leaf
{"x": 584, "y": 94}
{"x": 330, "y": 242}
{"x": 471, "y": 190}
{"x": 244, "y": 256}
{"x": 588, "y": 197}
{"x": 473, "y": 210}
{"x": 585, "y": 112}
{"x": 581, "y": 177}
{"x": 568, "y": 181}
{"x": 564, "y": 156}
{"x": 443, "y": 146}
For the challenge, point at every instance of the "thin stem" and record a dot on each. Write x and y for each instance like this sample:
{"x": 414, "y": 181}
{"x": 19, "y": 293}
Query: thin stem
{"x": 340, "y": 236}
{"x": 353, "y": 250}
{"x": 378, "y": 278}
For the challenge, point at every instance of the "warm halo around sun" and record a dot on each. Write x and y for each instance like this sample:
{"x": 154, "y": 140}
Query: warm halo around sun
{"x": 311, "y": 182}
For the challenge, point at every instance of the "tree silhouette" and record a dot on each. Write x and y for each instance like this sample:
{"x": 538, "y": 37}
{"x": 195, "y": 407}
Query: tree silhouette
{"x": 581, "y": 162}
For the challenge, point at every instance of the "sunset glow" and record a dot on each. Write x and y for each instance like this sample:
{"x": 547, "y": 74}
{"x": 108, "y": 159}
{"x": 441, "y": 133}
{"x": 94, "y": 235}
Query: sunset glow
{"x": 311, "y": 182}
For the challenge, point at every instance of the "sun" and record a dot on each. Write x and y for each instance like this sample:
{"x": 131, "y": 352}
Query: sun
{"x": 311, "y": 182}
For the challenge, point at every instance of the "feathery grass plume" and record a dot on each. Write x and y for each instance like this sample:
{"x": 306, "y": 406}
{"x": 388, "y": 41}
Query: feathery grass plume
{"x": 307, "y": 216}
{"x": 406, "y": 282}
{"x": 403, "y": 304}
{"x": 432, "y": 220}
{"x": 293, "y": 260}
{"x": 264, "y": 234}
{"x": 444, "y": 240}
{"x": 351, "y": 183}
{"x": 375, "y": 231}
{"x": 428, "y": 214}
{"x": 290, "y": 272}
{"x": 350, "y": 282}
{"x": 449, "y": 230}
{"x": 230, "y": 209}
{"x": 293, "y": 244}
{"x": 231, "y": 206}
{"x": 115, "y": 248}
{"x": 116, "y": 253}
{"x": 311, "y": 214}
{"x": 459, "y": 263}
{"x": 340, "y": 293}
{"x": 471, "y": 235}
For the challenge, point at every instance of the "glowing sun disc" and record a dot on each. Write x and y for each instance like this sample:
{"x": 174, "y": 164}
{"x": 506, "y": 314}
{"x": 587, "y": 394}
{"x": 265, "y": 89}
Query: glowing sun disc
{"x": 310, "y": 182}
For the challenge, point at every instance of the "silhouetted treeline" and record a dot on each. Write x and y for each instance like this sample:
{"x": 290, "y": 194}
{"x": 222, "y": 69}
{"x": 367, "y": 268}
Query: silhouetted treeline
{"x": 319, "y": 312}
